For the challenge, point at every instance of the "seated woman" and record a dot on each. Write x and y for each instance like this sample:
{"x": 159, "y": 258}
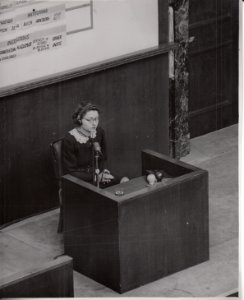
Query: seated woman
{"x": 82, "y": 142}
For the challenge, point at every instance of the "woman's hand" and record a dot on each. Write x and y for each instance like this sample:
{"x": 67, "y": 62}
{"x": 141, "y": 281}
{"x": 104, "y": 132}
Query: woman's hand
{"x": 105, "y": 176}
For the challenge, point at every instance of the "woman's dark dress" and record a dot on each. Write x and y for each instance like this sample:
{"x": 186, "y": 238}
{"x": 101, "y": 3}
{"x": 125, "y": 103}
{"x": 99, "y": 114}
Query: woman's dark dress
{"x": 78, "y": 156}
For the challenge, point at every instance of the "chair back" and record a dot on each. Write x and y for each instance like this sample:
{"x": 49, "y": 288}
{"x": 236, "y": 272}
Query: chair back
{"x": 56, "y": 152}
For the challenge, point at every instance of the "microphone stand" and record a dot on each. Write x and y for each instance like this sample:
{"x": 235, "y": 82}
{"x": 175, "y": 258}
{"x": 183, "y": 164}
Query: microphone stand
{"x": 96, "y": 169}
{"x": 95, "y": 155}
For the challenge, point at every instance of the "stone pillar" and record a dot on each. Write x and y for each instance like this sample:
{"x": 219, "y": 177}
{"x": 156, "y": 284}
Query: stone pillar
{"x": 178, "y": 79}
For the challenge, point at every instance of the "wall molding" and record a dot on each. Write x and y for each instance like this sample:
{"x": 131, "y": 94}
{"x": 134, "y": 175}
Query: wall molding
{"x": 209, "y": 108}
{"x": 209, "y": 21}
{"x": 211, "y": 48}
{"x": 89, "y": 69}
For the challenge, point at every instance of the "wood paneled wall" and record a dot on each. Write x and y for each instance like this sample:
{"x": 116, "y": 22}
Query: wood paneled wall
{"x": 213, "y": 62}
{"x": 133, "y": 97}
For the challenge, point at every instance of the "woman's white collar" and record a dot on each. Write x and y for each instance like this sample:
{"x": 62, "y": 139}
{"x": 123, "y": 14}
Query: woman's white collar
{"x": 79, "y": 137}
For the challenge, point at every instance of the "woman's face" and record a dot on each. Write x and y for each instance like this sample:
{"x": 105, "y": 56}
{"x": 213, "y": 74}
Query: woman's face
{"x": 90, "y": 120}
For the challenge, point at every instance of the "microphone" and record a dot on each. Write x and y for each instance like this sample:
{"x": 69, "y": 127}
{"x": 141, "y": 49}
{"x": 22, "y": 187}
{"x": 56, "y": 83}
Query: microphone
{"x": 97, "y": 148}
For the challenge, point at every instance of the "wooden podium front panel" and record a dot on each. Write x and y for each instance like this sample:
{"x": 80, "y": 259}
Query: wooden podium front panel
{"x": 164, "y": 231}
{"x": 91, "y": 232}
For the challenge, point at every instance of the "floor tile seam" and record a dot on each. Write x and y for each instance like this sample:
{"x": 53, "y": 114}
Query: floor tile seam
{"x": 220, "y": 131}
{"x": 212, "y": 151}
{"x": 215, "y": 197}
{"x": 207, "y": 154}
{"x": 198, "y": 164}
{"x": 25, "y": 243}
{"x": 215, "y": 139}
{"x": 236, "y": 239}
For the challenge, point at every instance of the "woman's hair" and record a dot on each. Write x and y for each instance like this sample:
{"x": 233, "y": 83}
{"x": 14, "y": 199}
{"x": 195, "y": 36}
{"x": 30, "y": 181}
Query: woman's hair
{"x": 81, "y": 110}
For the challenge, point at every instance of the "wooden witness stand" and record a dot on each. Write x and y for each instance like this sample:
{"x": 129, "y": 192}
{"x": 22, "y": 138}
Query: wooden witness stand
{"x": 127, "y": 241}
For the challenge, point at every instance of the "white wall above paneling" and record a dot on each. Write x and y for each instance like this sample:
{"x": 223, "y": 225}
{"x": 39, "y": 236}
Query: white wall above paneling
{"x": 107, "y": 29}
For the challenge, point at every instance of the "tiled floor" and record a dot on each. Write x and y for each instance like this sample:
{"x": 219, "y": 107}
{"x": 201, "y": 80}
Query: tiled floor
{"x": 35, "y": 239}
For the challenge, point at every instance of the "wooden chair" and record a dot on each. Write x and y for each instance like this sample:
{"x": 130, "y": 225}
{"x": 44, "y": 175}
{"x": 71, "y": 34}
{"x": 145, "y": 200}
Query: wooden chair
{"x": 56, "y": 152}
